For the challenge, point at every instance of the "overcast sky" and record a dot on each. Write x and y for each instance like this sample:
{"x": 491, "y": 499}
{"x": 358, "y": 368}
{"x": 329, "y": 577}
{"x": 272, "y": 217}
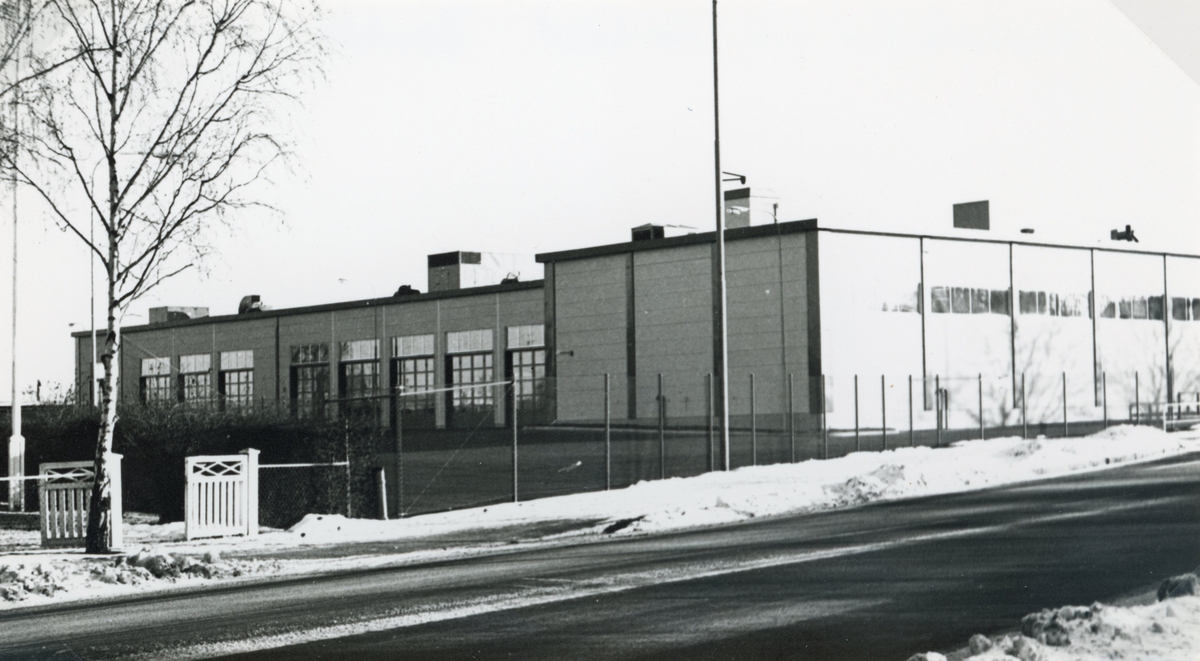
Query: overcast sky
{"x": 528, "y": 127}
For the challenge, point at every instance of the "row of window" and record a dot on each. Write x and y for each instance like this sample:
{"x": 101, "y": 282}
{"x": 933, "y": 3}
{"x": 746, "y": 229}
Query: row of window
{"x": 470, "y": 361}
{"x": 968, "y": 300}
{"x": 193, "y": 384}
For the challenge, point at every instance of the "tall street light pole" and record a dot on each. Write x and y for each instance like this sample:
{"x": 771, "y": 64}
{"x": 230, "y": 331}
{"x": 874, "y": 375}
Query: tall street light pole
{"x": 16, "y": 442}
{"x": 722, "y": 318}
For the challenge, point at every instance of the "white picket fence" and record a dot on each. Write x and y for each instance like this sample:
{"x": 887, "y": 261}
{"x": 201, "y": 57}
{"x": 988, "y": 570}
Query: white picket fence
{"x": 222, "y": 495}
{"x": 64, "y": 494}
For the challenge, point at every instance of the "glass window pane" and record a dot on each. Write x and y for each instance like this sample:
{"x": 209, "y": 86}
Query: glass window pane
{"x": 960, "y": 300}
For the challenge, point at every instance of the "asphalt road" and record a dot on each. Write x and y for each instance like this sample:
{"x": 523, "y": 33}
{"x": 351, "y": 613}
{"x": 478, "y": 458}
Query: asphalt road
{"x": 875, "y": 582}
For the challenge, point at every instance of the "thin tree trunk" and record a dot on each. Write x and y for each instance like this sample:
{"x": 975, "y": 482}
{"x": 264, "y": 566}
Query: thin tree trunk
{"x": 99, "y": 530}
{"x": 100, "y": 523}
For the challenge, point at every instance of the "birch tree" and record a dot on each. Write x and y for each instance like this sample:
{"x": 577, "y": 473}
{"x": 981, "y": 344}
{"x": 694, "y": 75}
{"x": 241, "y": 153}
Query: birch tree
{"x": 155, "y": 120}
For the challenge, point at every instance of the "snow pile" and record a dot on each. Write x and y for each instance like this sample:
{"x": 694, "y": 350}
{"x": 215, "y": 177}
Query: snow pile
{"x": 1169, "y": 629}
{"x": 37, "y": 580}
{"x": 745, "y": 493}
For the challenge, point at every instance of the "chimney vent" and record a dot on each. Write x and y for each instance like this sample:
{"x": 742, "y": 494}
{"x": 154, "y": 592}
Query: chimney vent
{"x": 972, "y": 215}
{"x": 737, "y": 208}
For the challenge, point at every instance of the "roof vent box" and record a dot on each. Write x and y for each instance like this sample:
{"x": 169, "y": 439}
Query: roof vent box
{"x": 251, "y": 303}
{"x": 173, "y": 313}
{"x": 462, "y": 269}
{"x": 648, "y": 232}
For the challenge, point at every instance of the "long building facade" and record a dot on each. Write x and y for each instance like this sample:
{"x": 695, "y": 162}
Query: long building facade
{"x": 825, "y": 327}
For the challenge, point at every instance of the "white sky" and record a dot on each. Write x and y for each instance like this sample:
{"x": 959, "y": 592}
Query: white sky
{"x": 526, "y": 127}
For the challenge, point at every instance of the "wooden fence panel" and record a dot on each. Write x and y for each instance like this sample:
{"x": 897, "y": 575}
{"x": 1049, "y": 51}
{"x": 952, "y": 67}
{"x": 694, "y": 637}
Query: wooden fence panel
{"x": 64, "y": 494}
{"x": 222, "y": 495}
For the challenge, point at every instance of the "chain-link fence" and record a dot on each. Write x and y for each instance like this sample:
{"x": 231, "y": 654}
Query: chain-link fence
{"x": 577, "y": 434}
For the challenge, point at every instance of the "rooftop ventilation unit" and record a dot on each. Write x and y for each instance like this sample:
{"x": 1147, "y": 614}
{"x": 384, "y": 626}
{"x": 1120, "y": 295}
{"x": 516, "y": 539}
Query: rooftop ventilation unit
{"x": 251, "y": 303}
{"x": 173, "y": 313}
{"x": 648, "y": 232}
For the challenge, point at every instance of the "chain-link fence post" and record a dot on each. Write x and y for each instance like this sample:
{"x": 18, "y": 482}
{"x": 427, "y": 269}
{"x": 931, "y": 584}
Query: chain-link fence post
{"x": 753, "y": 426}
{"x": 883, "y": 407}
{"x": 712, "y": 439}
{"x": 981, "y": 406}
{"x": 1066, "y": 429}
{"x": 514, "y": 442}
{"x": 607, "y": 435}
{"x": 824, "y": 420}
{"x": 857, "y": 443}
{"x": 911, "y": 436}
{"x": 662, "y": 431}
{"x": 1104, "y": 396}
{"x": 791, "y": 408}
{"x": 1024, "y": 411}
{"x": 346, "y": 441}
{"x": 937, "y": 396}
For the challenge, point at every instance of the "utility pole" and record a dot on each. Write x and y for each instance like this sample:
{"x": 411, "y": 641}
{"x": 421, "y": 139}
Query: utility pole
{"x": 723, "y": 359}
{"x": 16, "y": 442}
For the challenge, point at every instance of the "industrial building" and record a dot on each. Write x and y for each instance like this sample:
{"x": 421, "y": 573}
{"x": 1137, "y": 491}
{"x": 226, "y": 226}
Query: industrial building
{"x": 331, "y": 359}
{"x": 839, "y": 328}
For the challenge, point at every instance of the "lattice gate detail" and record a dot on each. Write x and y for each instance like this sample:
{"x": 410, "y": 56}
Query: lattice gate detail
{"x": 222, "y": 495}
{"x": 64, "y": 494}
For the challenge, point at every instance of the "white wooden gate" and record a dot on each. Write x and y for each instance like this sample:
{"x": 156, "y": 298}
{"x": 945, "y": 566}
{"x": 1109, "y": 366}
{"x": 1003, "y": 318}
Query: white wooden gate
{"x": 64, "y": 493}
{"x": 222, "y": 495}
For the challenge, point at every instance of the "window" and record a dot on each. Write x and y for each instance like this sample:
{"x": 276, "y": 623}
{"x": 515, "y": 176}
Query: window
{"x": 1179, "y": 309}
{"x": 1139, "y": 308}
{"x": 1052, "y": 304}
{"x": 526, "y": 336}
{"x": 979, "y": 301}
{"x": 525, "y": 365}
{"x": 1196, "y": 308}
{"x": 1109, "y": 308}
{"x": 1028, "y": 302}
{"x": 195, "y": 380}
{"x": 999, "y": 301}
{"x": 413, "y": 371}
{"x": 310, "y": 380}
{"x": 470, "y": 362}
{"x": 527, "y": 369}
{"x": 1154, "y": 307}
{"x": 939, "y": 300}
{"x": 237, "y": 379}
{"x": 156, "y": 381}
{"x": 359, "y": 377}
{"x": 960, "y": 300}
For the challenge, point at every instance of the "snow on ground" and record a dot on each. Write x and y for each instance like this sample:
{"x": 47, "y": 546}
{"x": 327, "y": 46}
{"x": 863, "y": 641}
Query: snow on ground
{"x": 745, "y": 493}
{"x": 646, "y": 507}
{"x": 1168, "y": 629}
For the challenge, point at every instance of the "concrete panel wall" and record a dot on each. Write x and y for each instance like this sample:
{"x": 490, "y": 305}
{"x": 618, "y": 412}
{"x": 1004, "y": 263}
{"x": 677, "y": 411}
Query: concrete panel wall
{"x": 870, "y": 326}
{"x": 1131, "y": 346}
{"x": 1183, "y": 283}
{"x": 768, "y": 325}
{"x": 591, "y": 326}
{"x": 963, "y": 347}
{"x": 674, "y": 329}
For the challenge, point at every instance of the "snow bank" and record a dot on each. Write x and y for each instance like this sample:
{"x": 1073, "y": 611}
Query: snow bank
{"x": 32, "y": 580}
{"x": 1165, "y": 630}
{"x": 745, "y": 493}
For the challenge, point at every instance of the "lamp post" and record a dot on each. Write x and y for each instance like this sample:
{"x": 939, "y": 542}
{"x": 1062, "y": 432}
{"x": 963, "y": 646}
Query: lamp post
{"x": 16, "y": 442}
{"x": 722, "y": 366}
